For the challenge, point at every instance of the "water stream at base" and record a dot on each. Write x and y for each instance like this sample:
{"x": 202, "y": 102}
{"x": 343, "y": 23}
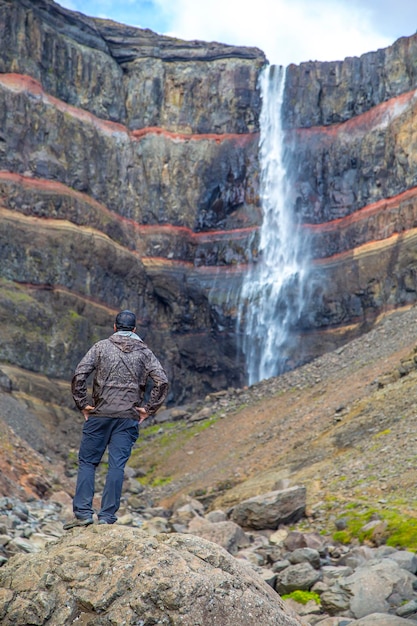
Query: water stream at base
{"x": 271, "y": 298}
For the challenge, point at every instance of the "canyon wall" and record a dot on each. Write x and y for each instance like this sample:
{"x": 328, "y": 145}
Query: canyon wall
{"x": 129, "y": 178}
{"x": 351, "y": 144}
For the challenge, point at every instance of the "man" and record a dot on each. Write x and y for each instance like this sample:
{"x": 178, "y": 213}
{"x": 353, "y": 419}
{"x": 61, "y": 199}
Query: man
{"x": 122, "y": 365}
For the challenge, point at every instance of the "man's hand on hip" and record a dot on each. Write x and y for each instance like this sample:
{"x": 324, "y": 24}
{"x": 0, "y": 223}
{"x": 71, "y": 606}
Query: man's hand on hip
{"x": 86, "y": 411}
{"x": 143, "y": 414}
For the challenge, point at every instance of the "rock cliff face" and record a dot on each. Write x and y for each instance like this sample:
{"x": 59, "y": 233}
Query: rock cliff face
{"x": 128, "y": 174}
{"x": 129, "y": 178}
{"x": 351, "y": 150}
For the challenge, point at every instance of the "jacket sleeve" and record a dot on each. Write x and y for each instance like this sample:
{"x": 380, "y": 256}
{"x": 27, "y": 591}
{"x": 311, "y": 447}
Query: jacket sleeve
{"x": 79, "y": 381}
{"x": 160, "y": 385}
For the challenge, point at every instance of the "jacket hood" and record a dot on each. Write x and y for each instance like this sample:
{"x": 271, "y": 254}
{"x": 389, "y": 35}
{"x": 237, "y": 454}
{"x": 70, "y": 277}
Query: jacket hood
{"x": 126, "y": 344}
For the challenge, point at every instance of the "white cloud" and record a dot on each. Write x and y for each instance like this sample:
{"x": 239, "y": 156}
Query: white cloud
{"x": 287, "y": 31}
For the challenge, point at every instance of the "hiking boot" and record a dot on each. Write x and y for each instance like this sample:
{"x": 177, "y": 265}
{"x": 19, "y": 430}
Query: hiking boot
{"x": 103, "y": 521}
{"x": 78, "y": 522}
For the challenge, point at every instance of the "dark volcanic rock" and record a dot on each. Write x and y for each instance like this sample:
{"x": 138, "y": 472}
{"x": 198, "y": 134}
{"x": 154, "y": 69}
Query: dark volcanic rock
{"x": 119, "y": 150}
{"x": 131, "y": 75}
{"x": 130, "y": 178}
{"x": 319, "y": 93}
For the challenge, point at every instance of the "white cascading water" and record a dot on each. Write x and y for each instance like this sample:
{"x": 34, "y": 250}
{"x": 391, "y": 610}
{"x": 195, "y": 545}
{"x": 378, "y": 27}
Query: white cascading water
{"x": 272, "y": 298}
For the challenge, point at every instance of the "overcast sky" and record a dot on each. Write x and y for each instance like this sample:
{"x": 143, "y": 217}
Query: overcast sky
{"x": 288, "y": 31}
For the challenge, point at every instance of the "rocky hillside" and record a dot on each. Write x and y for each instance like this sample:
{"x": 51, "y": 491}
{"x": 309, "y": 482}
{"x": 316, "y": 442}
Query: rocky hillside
{"x": 343, "y": 426}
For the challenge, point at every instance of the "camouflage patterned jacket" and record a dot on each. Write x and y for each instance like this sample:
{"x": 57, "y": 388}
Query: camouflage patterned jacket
{"x": 122, "y": 366}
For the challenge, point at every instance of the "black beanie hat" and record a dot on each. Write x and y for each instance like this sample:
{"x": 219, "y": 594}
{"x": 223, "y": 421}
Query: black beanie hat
{"x": 125, "y": 320}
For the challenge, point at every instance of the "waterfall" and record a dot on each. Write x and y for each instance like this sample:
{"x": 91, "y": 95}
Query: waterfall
{"x": 272, "y": 294}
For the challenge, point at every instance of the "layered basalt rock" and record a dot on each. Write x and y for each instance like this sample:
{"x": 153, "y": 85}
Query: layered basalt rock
{"x": 130, "y": 75}
{"x": 320, "y": 94}
{"x": 350, "y": 149}
{"x": 128, "y": 175}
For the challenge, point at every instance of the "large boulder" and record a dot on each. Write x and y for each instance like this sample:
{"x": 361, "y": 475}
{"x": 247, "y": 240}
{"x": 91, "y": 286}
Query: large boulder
{"x": 371, "y": 586}
{"x": 226, "y": 534}
{"x": 106, "y": 575}
{"x": 271, "y": 509}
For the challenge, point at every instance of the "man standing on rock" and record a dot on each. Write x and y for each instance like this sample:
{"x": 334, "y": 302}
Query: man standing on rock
{"x": 122, "y": 365}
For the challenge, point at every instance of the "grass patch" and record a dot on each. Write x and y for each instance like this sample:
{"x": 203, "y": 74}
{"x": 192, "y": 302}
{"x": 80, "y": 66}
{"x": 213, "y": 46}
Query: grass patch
{"x": 166, "y": 439}
{"x": 387, "y": 431}
{"x": 400, "y": 533}
{"x": 403, "y": 531}
{"x": 155, "y": 429}
{"x": 157, "y": 481}
{"x": 302, "y": 597}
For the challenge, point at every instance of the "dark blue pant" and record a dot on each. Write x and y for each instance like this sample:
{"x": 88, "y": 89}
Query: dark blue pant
{"x": 119, "y": 435}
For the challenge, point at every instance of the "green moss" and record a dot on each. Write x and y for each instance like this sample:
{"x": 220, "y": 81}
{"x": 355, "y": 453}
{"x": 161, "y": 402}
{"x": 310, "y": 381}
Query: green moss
{"x": 387, "y": 431}
{"x": 171, "y": 434}
{"x": 14, "y": 292}
{"x": 155, "y": 429}
{"x": 342, "y": 536}
{"x": 166, "y": 439}
{"x": 160, "y": 482}
{"x": 401, "y": 529}
{"x": 354, "y": 529}
{"x": 152, "y": 480}
{"x": 198, "y": 493}
{"x": 72, "y": 459}
{"x": 302, "y": 597}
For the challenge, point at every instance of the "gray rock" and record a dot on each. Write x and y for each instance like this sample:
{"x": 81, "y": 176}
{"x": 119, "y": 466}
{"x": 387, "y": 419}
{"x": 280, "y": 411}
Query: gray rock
{"x": 204, "y": 414}
{"x": 134, "y": 486}
{"x": 271, "y": 509}
{"x": 370, "y": 586}
{"x": 335, "y": 600}
{"x": 216, "y": 516}
{"x": 280, "y": 566}
{"x": 226, "y": 534}
{"x": 251, "y": 556}
{"x": 135, "y": 578}
{"x": 5, "y": 382}
{"x": 334, "y": 621}
{"x": 406, "y": 560}
{"x": 5, "y": 539}
{"x": 381, "y": 619}
{"x": 410, "y": 608}
{"x": 308, "y": 555}
{"x": 333, "y": 572}
{"x": 357, "y": 556}
{"x": 294, "y": 540}
{"x": 155, "y": 525}
{"x": 18, "y": 544}
{"x": 184, "y": 514}
{"x": 301, "y": 576}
